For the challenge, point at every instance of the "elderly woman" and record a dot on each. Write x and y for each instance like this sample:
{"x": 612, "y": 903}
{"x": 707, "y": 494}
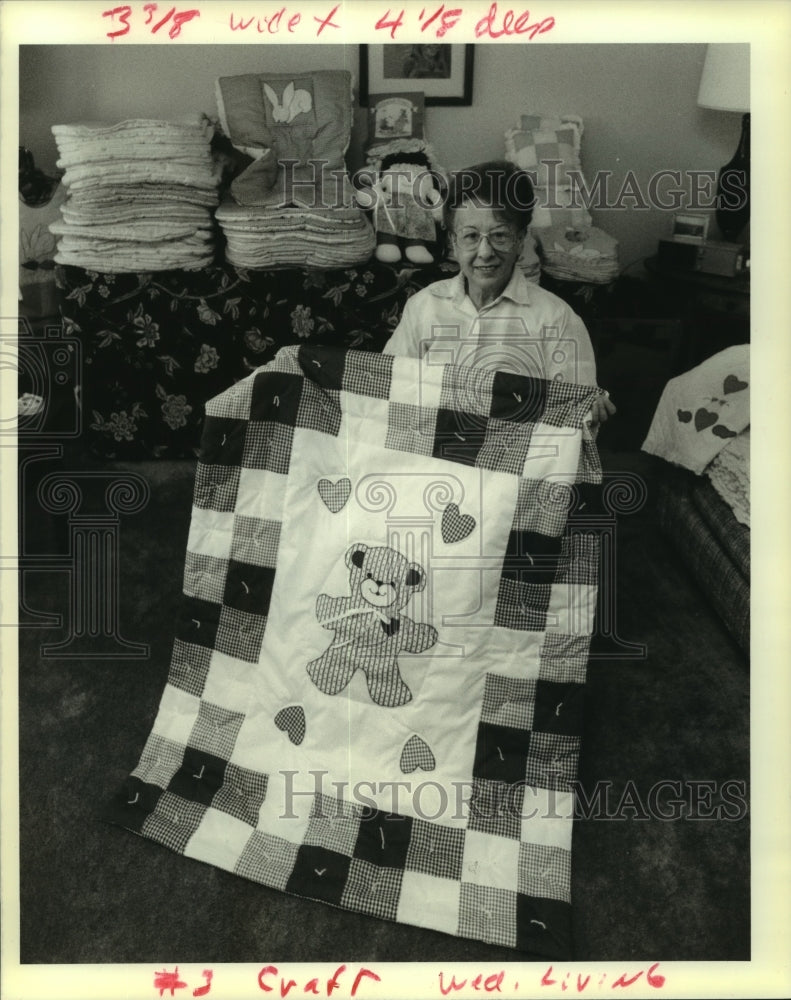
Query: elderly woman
{"x": 490, "y": 315}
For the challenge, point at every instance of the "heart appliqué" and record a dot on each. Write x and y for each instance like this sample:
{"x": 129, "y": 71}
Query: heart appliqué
{"x": 455, "y": 525}
{"x": 416, "y": 754}
{"x": 291, "y": 720}
{"x": 733, "y": 384}
{"x": 704, "y": 418}
{"x": 335, "y": 495}
{"x": 684, "y": 416}
{"x": 721, "y": 431}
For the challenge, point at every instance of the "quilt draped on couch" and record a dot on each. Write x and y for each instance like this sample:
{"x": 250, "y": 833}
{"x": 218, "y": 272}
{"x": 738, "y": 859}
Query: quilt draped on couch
{"x": 375, "y": 693}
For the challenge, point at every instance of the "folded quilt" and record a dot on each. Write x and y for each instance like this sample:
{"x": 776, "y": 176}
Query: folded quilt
{"x": 578, "y": 253}
{"x": 259, "y": 238}
{"x": 375, "y": 693}
{"x": 140, "y": 194}
{"x": 702, "y": 410}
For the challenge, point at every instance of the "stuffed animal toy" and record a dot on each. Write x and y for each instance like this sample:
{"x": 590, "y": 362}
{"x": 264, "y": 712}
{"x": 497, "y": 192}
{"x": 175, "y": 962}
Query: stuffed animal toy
{"x": 370, "y": 629}
{"x": 406, "y": 206}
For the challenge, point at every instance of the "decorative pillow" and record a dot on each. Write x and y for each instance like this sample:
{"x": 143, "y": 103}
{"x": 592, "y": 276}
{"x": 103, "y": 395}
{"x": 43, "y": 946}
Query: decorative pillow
{"x": 558, "y": 207}
{"x": 547, "y": 154}
{"x": 534, "y": 123}
{"x": 300, "y": 116}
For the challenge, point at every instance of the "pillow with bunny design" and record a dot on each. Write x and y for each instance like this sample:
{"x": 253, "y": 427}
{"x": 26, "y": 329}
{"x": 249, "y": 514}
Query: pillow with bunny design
{"x": 299, "y": 116}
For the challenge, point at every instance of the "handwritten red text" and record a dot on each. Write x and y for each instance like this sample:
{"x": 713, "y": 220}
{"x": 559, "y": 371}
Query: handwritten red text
{"x": 511, "y": 24}
{"x": 270, "y": 980}
{"x": 174, "y": 18}
{"x": 170, "y": 981}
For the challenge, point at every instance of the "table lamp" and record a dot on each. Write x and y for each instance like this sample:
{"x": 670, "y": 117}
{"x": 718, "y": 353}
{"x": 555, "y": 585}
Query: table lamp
{"x": 725, "y": 86}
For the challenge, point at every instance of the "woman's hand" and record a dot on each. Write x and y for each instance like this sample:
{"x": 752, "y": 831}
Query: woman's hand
{"x": 601, "y": 410}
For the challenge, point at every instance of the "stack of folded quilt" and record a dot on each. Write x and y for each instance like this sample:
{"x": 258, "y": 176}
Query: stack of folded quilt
{"x": 295, "y": 236}
{"x": 140, "y": 195}
{"x": 294, "y": 205}
{"x": 573, "y": 253}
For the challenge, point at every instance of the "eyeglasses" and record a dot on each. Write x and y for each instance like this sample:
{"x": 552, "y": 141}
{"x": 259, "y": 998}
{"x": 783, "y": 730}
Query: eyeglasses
{"x": 498, "y": 239}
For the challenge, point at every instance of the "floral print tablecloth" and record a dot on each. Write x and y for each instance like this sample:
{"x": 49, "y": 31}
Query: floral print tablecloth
{"x": 156, "y": 346}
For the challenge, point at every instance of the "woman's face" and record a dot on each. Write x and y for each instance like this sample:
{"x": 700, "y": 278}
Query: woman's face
{"x": 487, "y": 268}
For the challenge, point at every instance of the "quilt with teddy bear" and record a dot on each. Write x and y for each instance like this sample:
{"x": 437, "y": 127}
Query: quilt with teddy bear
{"x": 374, "y": 699}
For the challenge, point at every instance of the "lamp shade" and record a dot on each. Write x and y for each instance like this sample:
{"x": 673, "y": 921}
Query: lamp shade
{"x": 725, "y": 81}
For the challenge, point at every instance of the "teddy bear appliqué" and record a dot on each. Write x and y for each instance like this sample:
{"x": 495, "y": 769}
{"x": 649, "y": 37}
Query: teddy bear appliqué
{"x": 370, "y": 631}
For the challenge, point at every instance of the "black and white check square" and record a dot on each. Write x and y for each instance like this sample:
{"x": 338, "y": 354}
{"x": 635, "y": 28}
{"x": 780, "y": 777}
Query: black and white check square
{"x": 518, "y": 398}
{"x": 320, "y": 410}
{"x": 579, "y": 558}
{"x": 589, "y": 469}
{"x": 160, "y": 760}
{"x": 543, "y": 505}
{"x": 216, "y": 487}
{"x": 568, "y": 404}
{"x": 204, "y": 576}
{"x": 488, "y": 914}
{"x": 240, "y": 634}
{"x": 242, "y": 793}
{"x": 234, "y": 403}
{"x": 216, "y": 729}
{"x": 468, "y": 390}
{"x": 198, "y": 621}
{"x": 371, "y": 889}
{"x": 508, "y": 701}
{"x": 544, "y": 871}
{"x": 368, "y": 374}
{"x": 553, "y": 761}
{"x": 333, "y": 824}
{"x": 255, "y": 540}
{"x": 174, "y": 821}
{"x": 435, "y": 849}
{"x": 189, "y": 667}
{"x": 522, "y": 605}
{"x": 267, "y": 859}
{"x": 564, "y": 658}
{"x": 222, "y": 441}
{"x": 458, "y": 436}
{"x": 411, "y": 428}
{"x": 558, "y": 708}
{"x": 505, "y": 446}
{"x": 268, "y": 446}
{"x": 496, "y": 808}
{"x": 276, "y": 396}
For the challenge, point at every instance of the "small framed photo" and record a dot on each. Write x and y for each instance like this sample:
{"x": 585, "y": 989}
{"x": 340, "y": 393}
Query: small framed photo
{"x": 442, "y": 73}
{"x": 395, "y": 116}
{"x": 688, "y": 228}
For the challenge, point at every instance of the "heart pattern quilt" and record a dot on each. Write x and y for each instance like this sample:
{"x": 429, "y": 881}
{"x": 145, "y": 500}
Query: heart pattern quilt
{"x": 375, "y": 693}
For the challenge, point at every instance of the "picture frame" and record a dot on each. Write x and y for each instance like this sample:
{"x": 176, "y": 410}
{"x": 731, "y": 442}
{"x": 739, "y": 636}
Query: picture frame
{"x": 444, "y": 73}
{"x": 395, "y": 116}
{"x": 690, "y": 228}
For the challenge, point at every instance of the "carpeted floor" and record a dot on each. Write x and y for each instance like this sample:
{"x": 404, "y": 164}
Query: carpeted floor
{"x": 643, "y": 887}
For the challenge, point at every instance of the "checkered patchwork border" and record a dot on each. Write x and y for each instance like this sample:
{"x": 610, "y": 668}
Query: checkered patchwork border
{"x": 357, "y": 859}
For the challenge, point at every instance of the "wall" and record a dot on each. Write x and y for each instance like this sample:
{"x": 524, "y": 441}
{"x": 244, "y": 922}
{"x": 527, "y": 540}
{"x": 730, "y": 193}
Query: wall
{"x": 638, "y": 103}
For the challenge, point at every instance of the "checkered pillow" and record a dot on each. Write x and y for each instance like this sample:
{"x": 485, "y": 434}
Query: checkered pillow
{"x": 547, "y": 154}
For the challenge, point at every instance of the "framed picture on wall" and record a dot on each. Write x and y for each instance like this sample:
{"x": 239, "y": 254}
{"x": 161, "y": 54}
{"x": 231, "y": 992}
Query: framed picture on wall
{"x": 395, "y": 116}
{"x": 442, "y": 72}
